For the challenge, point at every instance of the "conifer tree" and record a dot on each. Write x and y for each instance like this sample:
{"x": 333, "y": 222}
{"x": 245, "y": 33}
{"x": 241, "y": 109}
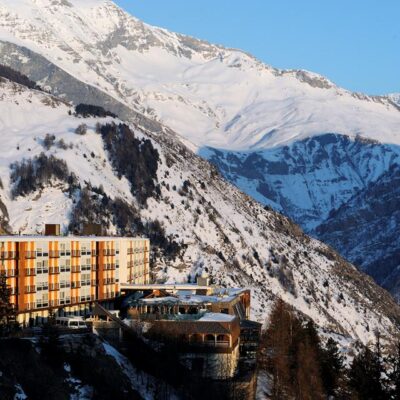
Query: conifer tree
{"x": 393, "y": 368}
{"x": 278, "y": 342}
{"x": 366, "y": 376}
{"x": 7, "y": 311}
{"x": 332, "y": 367}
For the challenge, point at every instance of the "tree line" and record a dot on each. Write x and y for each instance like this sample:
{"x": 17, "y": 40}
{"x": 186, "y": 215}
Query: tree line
{"x": 301, "y": 366}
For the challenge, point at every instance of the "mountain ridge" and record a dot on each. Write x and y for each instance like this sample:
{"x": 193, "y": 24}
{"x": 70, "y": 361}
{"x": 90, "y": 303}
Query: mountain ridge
{"x": 223, "y": 230}
{"x": 171, "y": 75}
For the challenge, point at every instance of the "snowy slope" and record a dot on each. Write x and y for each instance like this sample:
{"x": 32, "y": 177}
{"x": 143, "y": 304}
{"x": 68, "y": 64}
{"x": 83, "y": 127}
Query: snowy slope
{"x": 212, "y": 96}
{"x": 225, "y": 231}
{"x": 367, "y": 229}
{"x": 309, "y": 178}
{"x": 263, "y": 119}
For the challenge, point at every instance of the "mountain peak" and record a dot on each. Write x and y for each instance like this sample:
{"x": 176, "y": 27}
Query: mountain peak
{"x": 213, "y": 96}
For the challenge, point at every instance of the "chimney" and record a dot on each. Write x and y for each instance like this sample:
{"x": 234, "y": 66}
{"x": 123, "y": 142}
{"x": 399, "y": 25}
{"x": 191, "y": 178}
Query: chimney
{"x": 203, "y": 280}
{"x": 52, "y": 230}
{"x": 92, "y": 230}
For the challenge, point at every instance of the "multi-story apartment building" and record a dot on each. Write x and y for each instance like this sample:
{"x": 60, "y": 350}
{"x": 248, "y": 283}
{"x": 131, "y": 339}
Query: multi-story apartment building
{"x": 68, "y": 273}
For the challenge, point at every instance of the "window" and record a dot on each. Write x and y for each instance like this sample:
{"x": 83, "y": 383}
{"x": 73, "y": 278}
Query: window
{"x": 42, "y": 286}
{"x": 42, "y": 267}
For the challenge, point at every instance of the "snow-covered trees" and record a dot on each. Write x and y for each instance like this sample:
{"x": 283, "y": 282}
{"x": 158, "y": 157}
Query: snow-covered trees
{"x": 133, "y": 158}
{"x": 32, "y": 174}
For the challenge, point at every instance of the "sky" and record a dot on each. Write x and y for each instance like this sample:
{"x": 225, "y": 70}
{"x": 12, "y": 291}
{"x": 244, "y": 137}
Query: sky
{"x": 354, "y": 43}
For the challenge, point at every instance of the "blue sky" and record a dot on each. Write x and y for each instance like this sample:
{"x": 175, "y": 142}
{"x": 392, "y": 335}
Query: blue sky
{"x": 355, "y": 43}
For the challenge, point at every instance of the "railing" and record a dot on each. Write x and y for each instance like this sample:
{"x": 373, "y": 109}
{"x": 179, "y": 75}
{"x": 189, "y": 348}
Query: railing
{"x": 75, "y": 253}
{"x": 30, "y": 289}
{"x": 54, "y": 254}
{"x": 76, "y": 269}
{"x": 30, "y": 254}
{"x": 108, "y": 252}
{"x": 30, "y": 272}
{"x": 42, "y": 270}
{"x": 54, "y": 270}
{"x": 75, "y": 285}
{"x": 54, "y": 287}
{"x": 8, "y": 255}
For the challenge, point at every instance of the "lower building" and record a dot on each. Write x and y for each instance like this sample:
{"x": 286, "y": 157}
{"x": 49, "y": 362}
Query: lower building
{"x": 201, "y": 323}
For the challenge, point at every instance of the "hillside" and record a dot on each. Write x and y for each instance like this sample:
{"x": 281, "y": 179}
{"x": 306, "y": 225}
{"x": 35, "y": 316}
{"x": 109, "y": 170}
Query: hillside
{"x": 213, "y": 96}
{"x": 197, "y": 220}
{"x": 269, "y": 131}
{"x": 372, "y": 231}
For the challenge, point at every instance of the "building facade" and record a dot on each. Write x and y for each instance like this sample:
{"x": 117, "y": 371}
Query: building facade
{"x": 68, "y": 273}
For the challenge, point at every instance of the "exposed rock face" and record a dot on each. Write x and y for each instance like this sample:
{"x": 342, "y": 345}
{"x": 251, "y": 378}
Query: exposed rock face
{"x": 310, "y": 178}
{"x": 343, "y": 191}
{"x": 367, "y": 229}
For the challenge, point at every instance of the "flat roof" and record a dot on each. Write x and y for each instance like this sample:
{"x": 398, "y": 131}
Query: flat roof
{"x": 217, "y": 317}
{"x": 168, "y": 286}
{"x": 21, "y": 238}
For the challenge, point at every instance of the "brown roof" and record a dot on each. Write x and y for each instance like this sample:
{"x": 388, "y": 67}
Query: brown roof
{"x": 195, "y": 327}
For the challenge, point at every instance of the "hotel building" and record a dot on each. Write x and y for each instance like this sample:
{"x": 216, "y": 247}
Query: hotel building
{"x": 68, "y": 273}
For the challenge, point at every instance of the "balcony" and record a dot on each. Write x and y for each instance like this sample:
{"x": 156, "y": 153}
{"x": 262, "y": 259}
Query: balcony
{"x": 108, "y": 252}
{"x": 54, "y": 270}
{"x": 76, "y": 285}
{"x": 76, "y": 269}
{"x": 54, "y": 254}
{"x": 8, "y": 255}
{"x": 54, "y": 287}
{"x": 75, "y": 253}
{"x": 30, "y": 272}
{"x": 30, "y": 255}
{"x": 30, "y": 289}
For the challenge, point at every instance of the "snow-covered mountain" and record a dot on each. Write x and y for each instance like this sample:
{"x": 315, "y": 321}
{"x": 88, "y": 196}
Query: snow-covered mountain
{"x": 214, "y": 225}
{"x": 307, "y": 179}
{"x": 213, "y": 98}
{"x": 395, "y": 97}
{"x": 367, "y": 229}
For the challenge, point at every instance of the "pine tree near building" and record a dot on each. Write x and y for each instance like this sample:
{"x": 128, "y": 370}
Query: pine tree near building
{"x": 7, "y": 311}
